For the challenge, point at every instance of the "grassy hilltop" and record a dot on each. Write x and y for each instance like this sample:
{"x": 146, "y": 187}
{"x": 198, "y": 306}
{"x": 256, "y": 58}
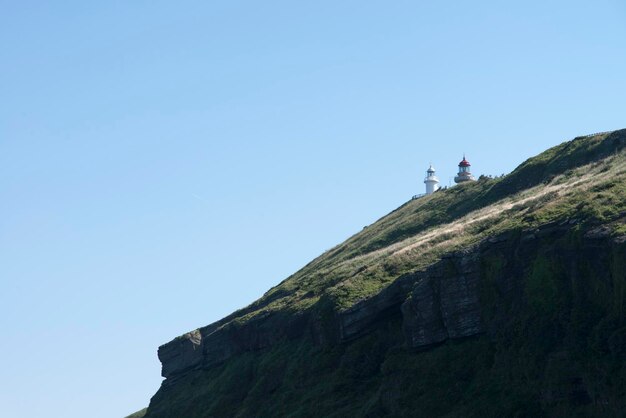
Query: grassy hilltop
{"x": 552, "y": 185}
{"x": 541, "y": 250}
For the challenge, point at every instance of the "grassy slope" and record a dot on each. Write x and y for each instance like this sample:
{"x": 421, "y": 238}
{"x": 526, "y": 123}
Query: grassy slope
{"x": 571, "y": 329}
{"x": 138, "y": 414}
{"x": 415, "y": 235}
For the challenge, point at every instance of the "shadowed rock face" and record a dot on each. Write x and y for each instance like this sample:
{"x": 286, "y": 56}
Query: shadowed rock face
{"x": 444, "y": 303}
{"x": 181, "y": 354}
{"x": 539, "y": 310}
{"x": 436, "y": 304}
{"x": 482, "y": 290}
{"x": 213, "y": 344}
{"x": 439, "y": 303}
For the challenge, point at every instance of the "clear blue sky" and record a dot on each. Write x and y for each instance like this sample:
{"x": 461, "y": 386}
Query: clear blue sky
{"x": 164, "y": 163}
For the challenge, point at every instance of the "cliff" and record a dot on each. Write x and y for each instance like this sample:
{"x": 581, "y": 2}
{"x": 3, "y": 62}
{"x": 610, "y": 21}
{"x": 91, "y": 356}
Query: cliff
{"x": 500, "y": 297}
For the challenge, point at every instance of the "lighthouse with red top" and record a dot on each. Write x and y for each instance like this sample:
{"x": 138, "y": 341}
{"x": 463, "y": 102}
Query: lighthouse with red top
{"x": 464, "y": 172}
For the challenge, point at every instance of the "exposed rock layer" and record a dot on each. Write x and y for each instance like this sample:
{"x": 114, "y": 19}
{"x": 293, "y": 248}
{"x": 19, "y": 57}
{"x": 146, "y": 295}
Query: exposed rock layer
{"x": 442, "y": 302}
{"x": 528, "y": 322}
{"x": 484, "y": 290}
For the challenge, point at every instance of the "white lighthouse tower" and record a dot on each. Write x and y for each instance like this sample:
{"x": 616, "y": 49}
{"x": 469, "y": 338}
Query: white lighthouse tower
{"x": 431, "y": 181}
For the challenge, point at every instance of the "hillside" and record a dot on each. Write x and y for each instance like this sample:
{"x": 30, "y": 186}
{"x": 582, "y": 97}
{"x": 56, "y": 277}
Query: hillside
{"x": 138, "y": 414}
{"x": 502, "y": 297}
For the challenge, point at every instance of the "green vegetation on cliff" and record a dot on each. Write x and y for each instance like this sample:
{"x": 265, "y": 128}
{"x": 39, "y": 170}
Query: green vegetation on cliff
{"x": 550, "y": 186}
{"x": 138, "y": 414}
{"x": 548, "y": 255}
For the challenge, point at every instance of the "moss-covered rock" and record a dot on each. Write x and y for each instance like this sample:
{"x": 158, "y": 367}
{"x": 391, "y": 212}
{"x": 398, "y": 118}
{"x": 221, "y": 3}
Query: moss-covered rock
{"x": 503, "y": 297}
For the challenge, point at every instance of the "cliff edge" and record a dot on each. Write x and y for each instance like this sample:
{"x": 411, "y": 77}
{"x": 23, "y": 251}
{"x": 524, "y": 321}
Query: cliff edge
{"x": 499, "y": 297}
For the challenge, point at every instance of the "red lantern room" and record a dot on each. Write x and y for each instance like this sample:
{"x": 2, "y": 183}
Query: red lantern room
{"x": 464, "y": 172}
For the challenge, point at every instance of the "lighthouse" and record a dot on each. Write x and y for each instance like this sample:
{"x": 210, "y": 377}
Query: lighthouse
{"x": 464, "y": 172}
{"x": 431, "y": 181}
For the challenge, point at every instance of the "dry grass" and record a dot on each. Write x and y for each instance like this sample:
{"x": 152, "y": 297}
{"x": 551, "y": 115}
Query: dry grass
{"x": 348, "y": 277}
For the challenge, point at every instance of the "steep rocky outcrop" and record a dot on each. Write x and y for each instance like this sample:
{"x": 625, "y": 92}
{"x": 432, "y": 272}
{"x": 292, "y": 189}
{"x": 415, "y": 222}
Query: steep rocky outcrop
{"x": 439, "y": 303}
{"x": 212, "y": 345}
{"x": 444, "y": 303}
{"x": 518, "y": 311}
{"x": 481, "y": 292}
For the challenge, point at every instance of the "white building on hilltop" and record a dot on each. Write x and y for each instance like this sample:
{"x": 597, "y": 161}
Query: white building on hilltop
{"x": 431, "y": 181}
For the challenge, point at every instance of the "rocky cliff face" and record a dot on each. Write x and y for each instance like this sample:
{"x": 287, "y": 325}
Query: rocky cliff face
{"x": 439, "y": 303}
{"x": 483, "y": 293}
{"x": 519, "y": 310}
